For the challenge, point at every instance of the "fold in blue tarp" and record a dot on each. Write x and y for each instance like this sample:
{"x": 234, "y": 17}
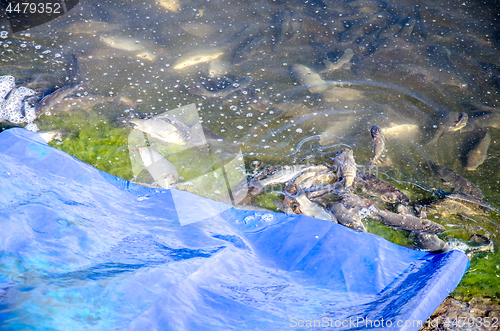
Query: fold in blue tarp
{"x": 81, "y": 249}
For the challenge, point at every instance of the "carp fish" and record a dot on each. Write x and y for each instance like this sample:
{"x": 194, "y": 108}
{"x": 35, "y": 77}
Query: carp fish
{"x": 274, "y": 175}
{"x": 308, "y": 78}
{"x": 408, "y": 222}
{"x": 347, "y": 217}
{"x": 378, "y": 144}
{"x": 168, "y": 129}
{"x": 308, "y": 207}
{"x": 457, "y": 182}
{"x": 479, "y": 153}
{"x": 345, "y": 166}
{"x": 198, "y": 56}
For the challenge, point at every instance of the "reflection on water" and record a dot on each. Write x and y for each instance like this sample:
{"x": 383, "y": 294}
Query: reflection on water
{"x": 290, "y": 82}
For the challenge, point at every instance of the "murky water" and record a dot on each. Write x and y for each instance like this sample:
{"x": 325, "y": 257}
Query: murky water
{"x": 408, "y": 67}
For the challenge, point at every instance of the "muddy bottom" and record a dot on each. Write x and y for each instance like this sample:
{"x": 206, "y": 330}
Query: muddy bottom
{"x": 477, "y": 314}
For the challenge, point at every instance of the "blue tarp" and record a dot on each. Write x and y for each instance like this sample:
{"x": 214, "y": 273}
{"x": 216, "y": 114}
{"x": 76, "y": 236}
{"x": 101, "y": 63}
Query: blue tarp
{"x": 81, "y": 249}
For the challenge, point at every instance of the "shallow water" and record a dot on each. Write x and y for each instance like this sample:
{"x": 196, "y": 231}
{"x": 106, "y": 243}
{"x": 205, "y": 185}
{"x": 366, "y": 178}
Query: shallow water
{"x": 416, "y": 63}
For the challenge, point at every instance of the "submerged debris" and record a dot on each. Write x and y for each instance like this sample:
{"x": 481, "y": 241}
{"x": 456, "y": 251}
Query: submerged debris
{"x": 484, "y": 244}
{"x": 14, "y": 104}
{"x": 49, "y": 135}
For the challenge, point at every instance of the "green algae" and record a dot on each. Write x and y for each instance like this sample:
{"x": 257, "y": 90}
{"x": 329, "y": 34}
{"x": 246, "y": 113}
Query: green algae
{"x": 267, "y": 200}
{"x": 482, "y": 279}
{"x": 93, "y": 139}
{"x": 399, "y": 237}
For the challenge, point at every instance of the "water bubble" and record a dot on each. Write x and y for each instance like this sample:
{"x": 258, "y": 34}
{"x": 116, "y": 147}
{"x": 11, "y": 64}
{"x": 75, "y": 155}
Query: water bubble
{"x": 4, "y": 34}
{"x": 233, "y": 108}
{"x": 299, "y": 130}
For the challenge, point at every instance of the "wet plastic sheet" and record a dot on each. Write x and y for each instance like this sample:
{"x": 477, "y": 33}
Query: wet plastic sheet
{"x": 81, "y": 249}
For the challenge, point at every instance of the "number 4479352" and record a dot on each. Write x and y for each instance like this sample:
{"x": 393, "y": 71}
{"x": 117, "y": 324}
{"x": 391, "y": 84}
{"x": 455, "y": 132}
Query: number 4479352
{"x": 32, "y": 8}
{"x": 463, "y": 321}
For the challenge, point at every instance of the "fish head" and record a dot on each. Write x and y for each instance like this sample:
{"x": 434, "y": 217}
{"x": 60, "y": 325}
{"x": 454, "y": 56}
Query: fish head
{"x": 390, "y": 197}
{"x": 292, "y": 190}
{"x": 463, "y": 117}
{"x": 459, "y": 124}
{"x": 136, "y": 123}
{"x": 462, "y": 120}
{"x": 432, "y": 227}
{"x": 375, "y": 131}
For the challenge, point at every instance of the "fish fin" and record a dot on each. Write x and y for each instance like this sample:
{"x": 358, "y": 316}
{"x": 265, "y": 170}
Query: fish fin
{"x": 327, "y": 67}
{"x": 386, "y": 163}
